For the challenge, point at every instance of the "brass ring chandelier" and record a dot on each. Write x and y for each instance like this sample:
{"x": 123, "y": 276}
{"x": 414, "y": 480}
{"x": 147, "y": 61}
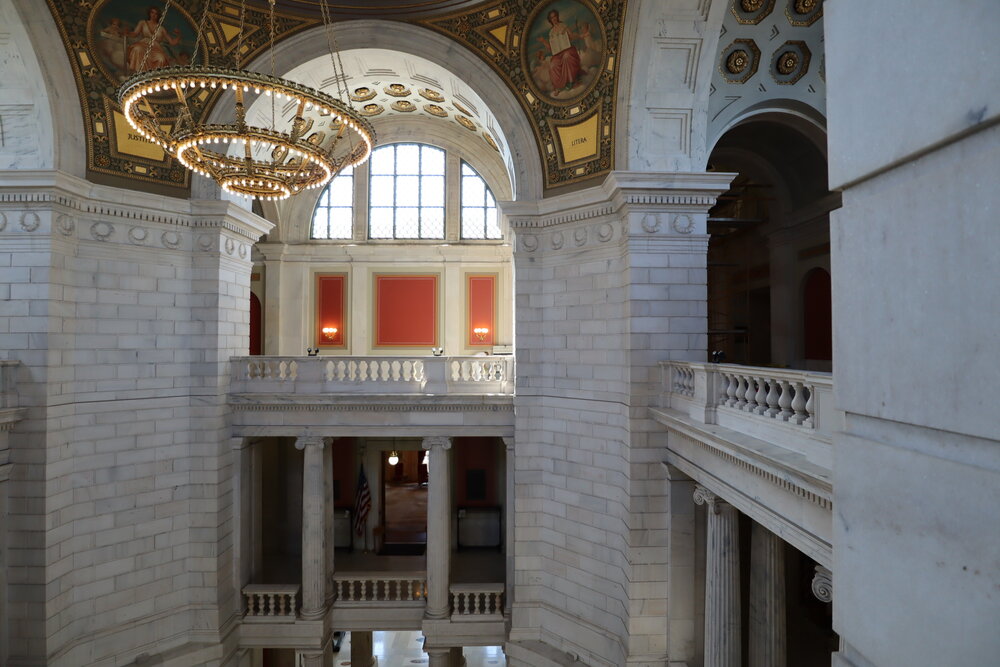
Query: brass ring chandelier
{"x": 269, "y": 158}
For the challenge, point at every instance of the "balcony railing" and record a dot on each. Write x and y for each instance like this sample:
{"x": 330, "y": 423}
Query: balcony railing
{"x": 373, "y": 375}
{"x": 476, "y": 602}
{"x": 381, "y": 587}
{"x": 271, "y": 602}
{"x": 789, "y": 408}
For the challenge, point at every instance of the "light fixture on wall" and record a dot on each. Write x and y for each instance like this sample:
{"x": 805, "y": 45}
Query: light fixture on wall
{"x": 329, "y": 333}
{"x": 305, "y": 140}
{"x": 481, "y": 333}
{"x": 393, "y": 458}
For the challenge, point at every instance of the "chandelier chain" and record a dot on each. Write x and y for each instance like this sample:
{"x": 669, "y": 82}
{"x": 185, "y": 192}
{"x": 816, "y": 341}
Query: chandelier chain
{"x": 239, "y": 37}
{"x": 197, "y": 37}
{"x": 339, "y": 75}
{"x": 271, "y": 25}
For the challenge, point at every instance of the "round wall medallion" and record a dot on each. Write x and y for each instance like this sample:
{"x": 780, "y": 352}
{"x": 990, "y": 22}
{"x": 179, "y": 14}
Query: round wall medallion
{"x": 651, "y": 223}
{"x": 66, "y": 225}
{"x": 230, "y": 246}
{"x": 580, "y": 236}
{"x": 243, "y": 250}
{"x": 557, "y": 241}
{"x": 803, "y": 13}
{"x": 30, "y": 221}
{"x": 3, "y": 221}
{"x": 530, "y": 243}
{"x": 205, "y": 242}
{"x": 790, "y": 62}
{"x": 137, "y": 235}
{"x": 101, "y": 231}
{"x": 170, "y": 239}
{"x": 683, "y": 224}
{"x": 605, "y": 231}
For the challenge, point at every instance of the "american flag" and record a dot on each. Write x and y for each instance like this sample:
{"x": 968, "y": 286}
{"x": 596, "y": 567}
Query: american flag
{"x": 362, "y": 503}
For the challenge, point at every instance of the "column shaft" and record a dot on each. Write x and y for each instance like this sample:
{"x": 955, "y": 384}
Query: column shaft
{"x": 438, "y": 528}
{"x": 767, "y": 599}
{"x": 438, "y": 657}
{"x": 313, "y": 533}
{"x": 361, "y": 649}
{"x": 722, "y": 582}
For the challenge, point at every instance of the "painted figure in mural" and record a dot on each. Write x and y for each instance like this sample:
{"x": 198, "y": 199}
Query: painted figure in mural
{"x": 564, "y": 65}
{"x": 151, "y": 38}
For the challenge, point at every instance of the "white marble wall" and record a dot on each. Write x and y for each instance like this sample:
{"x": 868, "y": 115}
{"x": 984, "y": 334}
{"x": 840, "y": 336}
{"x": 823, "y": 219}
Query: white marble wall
{"x": 126, "y": 317}
{"x": 916, "y": 556}
{"x": 608, "y": 281}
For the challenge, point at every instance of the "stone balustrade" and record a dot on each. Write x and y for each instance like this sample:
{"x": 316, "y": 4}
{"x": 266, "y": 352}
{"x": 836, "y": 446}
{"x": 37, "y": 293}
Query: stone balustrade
{"x": 790, "y": 408}
{"x": 373, "y": 375}
{"x": 278, "y": 602}
{"x": 471, "y": 602}
{"x": 378, "y": 587}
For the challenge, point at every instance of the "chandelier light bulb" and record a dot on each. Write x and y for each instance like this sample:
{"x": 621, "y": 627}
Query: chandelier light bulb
{"x": 393, "y": 458}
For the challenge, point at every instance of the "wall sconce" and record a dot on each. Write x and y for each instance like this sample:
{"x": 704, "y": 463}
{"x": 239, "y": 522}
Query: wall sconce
{"x": 437, "y": 351}
{"x": 481, "y": 333}
{"x": 312, "y": 351}
{"x": 329, "y": 332}
{"x": 393, "y": 458}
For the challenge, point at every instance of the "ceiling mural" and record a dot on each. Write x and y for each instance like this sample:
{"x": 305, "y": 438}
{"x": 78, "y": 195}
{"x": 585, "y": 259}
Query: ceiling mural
{"x": 558, "y": 56}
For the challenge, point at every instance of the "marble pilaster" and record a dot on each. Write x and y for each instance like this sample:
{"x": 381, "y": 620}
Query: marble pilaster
{"x": 438, "y": 528}
{"x": 767, "y": 599}
{"x": 722, "y": 582}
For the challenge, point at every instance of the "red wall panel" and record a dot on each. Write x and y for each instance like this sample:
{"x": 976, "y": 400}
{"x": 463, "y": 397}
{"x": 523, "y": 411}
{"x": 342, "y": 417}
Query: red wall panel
{"x": 330, "y": 291}
{"x": 406, "y": 311}
{"x": 256, "y": 324}
{"x": 473, "y": 454}
{"x": 482, "y": 307}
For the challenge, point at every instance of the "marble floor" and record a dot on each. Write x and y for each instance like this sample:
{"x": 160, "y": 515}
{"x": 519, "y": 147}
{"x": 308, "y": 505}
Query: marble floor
{"x": 399, "y": 649}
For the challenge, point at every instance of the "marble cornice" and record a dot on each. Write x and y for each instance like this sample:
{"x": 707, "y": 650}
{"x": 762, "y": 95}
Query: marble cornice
{"x": 472, "y": 403}
{"x": 28, "y": 193}
{"x": 11, "y": 416}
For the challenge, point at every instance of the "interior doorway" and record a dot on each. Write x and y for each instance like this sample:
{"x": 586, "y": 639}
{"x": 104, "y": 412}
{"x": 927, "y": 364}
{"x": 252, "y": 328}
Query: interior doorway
{"x": 404, "y": 503}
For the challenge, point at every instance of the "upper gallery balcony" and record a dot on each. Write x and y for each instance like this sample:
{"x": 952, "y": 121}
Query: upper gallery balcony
{"x": 288, "y": 396}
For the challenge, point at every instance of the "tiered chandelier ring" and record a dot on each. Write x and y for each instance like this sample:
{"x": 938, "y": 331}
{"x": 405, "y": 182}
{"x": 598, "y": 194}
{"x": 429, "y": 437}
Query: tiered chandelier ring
{"x": 263, "y": 163}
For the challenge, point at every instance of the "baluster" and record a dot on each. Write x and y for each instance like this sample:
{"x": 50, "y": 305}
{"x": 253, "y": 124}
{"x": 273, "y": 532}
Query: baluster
{"x": 329, "y": 367}
{"x": 785, "y": 401}
{"x": 363, "y": 371}
{"x": 272, "y": 604}
{"x": 761, "y": 396}
{"x": 810, "y": 407}
{"x": 293, "y": 370}
{"x": 689, "y": 374}
{"x": 407, "y": 370}
{"x": 395, "y": 370}
{"x": 282, "y": 370}
{"x": 480, "y": 602}
{"x": 740, "y": 396}
{"x": 799, "y": 404}
{"x": 730, "y": 391}
{"x": 746, "y": 400}
{"x": 772, "y": 398}
{"x": 341, "y": 367}
{"x": 418, "y": 371}
{"x": 384, "y": 371}
{"x": 456, "y": 371}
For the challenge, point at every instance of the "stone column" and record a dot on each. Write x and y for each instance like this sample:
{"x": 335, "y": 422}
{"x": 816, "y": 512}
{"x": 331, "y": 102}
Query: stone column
{"x": 722, "y": 581}
{"x": 361, "y": 649}
{"x": 438, "y": 528}
{"x": 313, "y": 533}
{"x": 438, "y": 657}
{"x": 328, "y": 512}
{"x": 243, "y": 516}
{"x": 767, "y": 599}
{"x": 322, "y": 658}
{"x": 508, "y": 522}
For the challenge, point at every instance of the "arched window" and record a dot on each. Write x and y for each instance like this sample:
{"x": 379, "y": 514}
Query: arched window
{"x": 406, "y": 192}
{"x": 334, "y": 212}
{"x": 479, "y": 208}
{"x": 817, "y": 311}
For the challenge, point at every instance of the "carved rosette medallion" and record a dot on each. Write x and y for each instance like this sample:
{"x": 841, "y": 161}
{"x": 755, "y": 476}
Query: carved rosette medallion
{"x": 66, "y": 225}
{"x": 363, "y": 94}
{"x": 557, "y": 240}
{"x": 3, "y": 221}
{"x": 397, "y": 90}
{"x": 530, "y": 243}
{"x": 372, "y": 109}
{"x": 170, "y": 240}
{"x": 651, "y": 223}
{"x": 405, "y": 106}
{"x": 790, "y": 62}
{"x": 580, "y": 236}
{"x": 751, "y": 12}
{"x": 740, "y": 61}
{"x": 802, "y": 13}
